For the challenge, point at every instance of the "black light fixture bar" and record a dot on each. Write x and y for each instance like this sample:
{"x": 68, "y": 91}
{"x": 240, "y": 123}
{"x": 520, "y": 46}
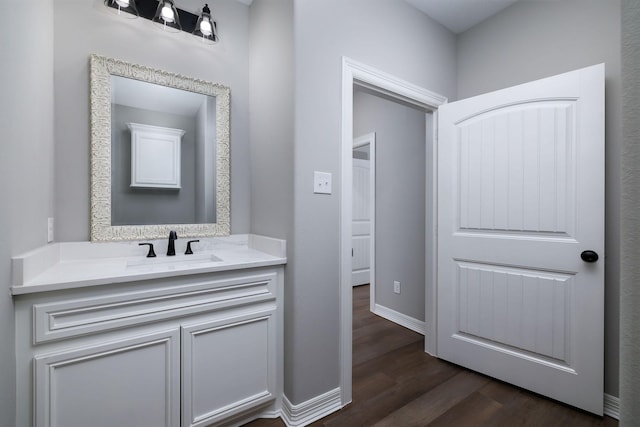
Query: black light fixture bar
{"x": 147, "y": 9}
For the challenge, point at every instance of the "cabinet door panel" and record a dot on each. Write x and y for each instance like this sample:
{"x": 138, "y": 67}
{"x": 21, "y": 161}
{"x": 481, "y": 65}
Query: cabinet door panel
{"x": 228, "y": 366}
{"x": 133, "y": 382}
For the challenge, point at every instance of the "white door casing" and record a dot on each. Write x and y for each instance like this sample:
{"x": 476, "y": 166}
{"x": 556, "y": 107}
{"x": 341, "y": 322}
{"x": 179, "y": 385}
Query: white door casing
{"x": 356, "y": 73}
{"x": 520, "y": 197}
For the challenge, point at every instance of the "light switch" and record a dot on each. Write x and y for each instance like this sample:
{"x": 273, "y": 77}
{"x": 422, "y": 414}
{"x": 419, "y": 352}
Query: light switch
{"x": 321, "y": 182}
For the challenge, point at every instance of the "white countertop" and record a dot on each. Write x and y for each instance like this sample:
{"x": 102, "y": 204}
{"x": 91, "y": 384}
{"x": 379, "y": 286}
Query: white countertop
{"x": 71, "y": 265}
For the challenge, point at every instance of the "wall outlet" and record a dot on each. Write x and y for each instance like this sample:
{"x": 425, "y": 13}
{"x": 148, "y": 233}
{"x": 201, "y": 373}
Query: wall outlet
{"x": 322, "y": 182}
{"x": 396, "y": 287}
{"x": 49, "y": 230}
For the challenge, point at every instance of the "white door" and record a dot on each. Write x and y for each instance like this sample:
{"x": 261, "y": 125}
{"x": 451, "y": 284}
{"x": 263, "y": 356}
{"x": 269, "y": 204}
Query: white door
{"x": 520, "y": 201}
{"x": 361, "y": 229}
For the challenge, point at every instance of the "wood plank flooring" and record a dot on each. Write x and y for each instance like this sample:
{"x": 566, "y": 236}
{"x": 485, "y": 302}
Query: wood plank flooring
{"x": 395, "y": 384}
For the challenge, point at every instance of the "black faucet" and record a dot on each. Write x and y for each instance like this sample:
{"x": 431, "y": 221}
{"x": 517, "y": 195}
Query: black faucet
{"x": 171, "y": 250}
{"x": 151, "y": 253}
{"x": 189, "y": 251}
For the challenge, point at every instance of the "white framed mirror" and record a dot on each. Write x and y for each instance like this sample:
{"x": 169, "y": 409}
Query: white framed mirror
{"x": 123, "y": 92}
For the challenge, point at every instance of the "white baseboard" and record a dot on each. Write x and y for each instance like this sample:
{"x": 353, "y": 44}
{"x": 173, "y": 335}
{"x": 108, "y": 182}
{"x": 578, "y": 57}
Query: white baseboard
{"x": 313, "y": 409}
{"x": 612, "y": 406}
{"x": 319, "y": 407}
{"x": 401, "y": 319}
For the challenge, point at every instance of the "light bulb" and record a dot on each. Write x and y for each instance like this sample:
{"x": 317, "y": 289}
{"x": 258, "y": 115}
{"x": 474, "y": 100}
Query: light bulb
{"x": 167, "y": 13}
{"x": 123, "y": 3}
{"x": 205, "y": 27}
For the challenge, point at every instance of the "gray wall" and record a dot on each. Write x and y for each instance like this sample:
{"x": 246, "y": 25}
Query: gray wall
{"x": 400, "y": 199}
{"x": 386, "y": 34}
{"x": 205, "y": 163}
{"x": 530, "y": 40}
{"x": 26, "y": 153}
{"x": 271, "y": 125}
{"x": 630, "y": 270}
{"x": 82, "y": 27}
{"x": 142, "y": 206}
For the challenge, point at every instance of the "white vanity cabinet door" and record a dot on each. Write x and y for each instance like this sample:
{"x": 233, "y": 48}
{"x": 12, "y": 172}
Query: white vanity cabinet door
{"x": 130, "y": 383}
{"x": 229, "y": 366}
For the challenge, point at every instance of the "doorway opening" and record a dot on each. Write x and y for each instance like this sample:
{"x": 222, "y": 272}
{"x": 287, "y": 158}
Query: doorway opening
{"x": 357, "y": 75}
{"x": 390, "y": 204}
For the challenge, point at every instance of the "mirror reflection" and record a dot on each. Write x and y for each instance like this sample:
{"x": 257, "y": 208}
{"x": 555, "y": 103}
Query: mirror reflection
{"x": 159, "y": 153}
{"x": 144, "y": 119}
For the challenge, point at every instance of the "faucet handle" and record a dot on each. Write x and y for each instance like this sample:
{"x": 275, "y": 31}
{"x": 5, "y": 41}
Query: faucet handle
{"x": 151, "y": 253}
{"x": 189, "y": 251}
{"x": 173, "y": 235}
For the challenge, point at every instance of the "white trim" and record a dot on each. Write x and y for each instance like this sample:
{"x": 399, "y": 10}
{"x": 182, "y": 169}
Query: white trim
{"x": 313, "y": 409}
{"x": 370, "y": 139}
{"x": 431, "y": 272}
{"x": 401, "y": 319}
{"x": 326, "y": 404}
{"x": 366, "y": 139}
{"x": 612, "y": 406}
{"x": 357, "y": 73}
{"x": 346, "y": 217}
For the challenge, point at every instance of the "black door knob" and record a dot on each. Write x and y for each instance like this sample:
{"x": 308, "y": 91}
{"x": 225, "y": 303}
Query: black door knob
{"x": 589, "y": 256}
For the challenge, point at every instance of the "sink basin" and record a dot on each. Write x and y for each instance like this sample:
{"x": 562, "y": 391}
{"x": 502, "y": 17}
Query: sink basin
{"x": 178, "y": 261}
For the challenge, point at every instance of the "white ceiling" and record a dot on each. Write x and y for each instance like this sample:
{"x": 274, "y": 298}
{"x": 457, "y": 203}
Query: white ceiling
{"x": 149, "y": 96}
{"x": 457, "y": 15}
{"x": 460, "y": 15}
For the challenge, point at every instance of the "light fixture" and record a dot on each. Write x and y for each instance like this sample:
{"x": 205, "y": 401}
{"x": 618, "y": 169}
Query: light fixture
{"x": 126, "y": 8}
{"x": 167, "y": 16}
{"x": 206, "y": 28}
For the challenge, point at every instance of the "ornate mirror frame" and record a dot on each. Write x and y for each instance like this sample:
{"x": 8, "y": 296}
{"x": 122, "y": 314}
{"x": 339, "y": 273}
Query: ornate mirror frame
{"x": 101, "y": 70}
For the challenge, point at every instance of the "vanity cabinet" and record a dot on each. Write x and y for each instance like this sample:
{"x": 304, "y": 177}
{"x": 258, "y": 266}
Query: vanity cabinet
{"x": 197, "y": 350}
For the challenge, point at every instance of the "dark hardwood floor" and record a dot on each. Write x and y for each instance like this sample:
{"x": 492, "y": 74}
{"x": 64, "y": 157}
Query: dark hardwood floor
{"x": 396, "y": 384}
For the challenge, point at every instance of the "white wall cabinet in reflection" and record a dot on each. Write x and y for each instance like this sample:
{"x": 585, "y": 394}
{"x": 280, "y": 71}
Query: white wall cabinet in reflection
{"x": 155, "y": 156}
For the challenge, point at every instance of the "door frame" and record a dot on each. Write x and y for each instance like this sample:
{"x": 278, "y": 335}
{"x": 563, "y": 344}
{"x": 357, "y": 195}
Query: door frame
{"x": 356, "y": 73}
{"x": 362, "y": 141}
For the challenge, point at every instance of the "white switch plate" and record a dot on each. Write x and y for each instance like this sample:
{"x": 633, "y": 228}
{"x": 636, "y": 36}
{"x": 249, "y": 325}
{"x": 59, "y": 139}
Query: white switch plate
{"x": 49, "y": 230}
{"x": 321, "y": 182}
{"x": 396, "y": 287}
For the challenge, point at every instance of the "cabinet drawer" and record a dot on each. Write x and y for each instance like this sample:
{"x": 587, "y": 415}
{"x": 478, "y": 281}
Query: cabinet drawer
{"x": 89, "y": 315}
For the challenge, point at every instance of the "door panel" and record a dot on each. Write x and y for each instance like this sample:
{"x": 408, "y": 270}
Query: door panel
{"x": 521, "y": 195}
{"x": 228, "y": 367}
{"x": 133, "y": 381}
{"x": 522, "y": 182}
{"x": 361, "y": 229}
{"x": 515, "y": 308}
